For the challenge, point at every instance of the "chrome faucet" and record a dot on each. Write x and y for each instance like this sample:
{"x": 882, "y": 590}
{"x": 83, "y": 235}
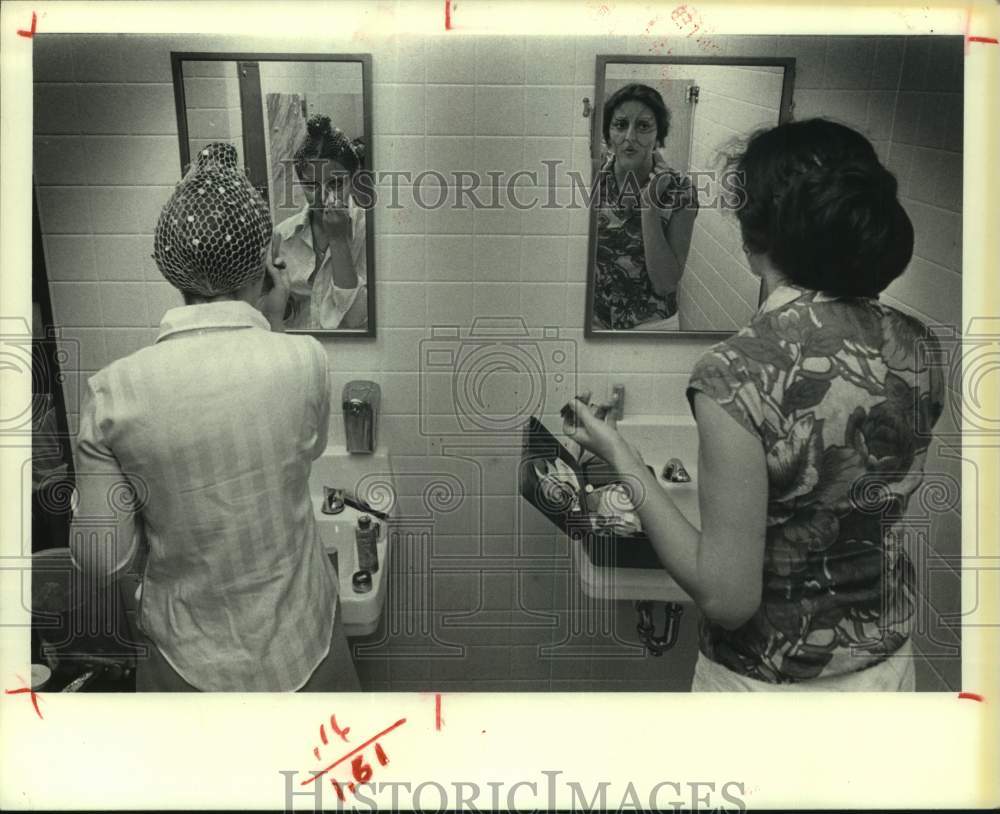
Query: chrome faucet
{"x": 361, "y": 400}
{"x": 675, "y": 472}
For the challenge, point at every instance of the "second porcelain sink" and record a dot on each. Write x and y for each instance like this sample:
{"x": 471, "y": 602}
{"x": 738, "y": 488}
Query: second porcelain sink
{"x": 658, "y": 439}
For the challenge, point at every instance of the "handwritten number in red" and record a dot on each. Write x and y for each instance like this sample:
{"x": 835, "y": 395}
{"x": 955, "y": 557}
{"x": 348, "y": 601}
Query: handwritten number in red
{"x": 342, "y": 732}
{"x": 362, "y": 771}
{"x": 337, "y": 788}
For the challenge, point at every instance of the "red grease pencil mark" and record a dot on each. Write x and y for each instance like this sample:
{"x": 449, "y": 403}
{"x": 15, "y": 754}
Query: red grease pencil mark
{"x": 342, "y": 732}
{"x": 972, "y": 696}
{"x": 353, "y": 752}
{"x": 437, "y": 712}
{"x": 337, "y": 788}
{"x": 380, "y": 754}
{"x": 34, "y": 695}
{"x": 987, "y": 40}
{"x": 447, "y": 15}
{"x": 29, "y": 34}
{"x": 322, "y": 734}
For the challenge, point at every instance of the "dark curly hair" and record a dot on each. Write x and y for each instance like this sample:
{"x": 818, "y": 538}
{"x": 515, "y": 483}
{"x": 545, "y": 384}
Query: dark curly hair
{"x": 324, "y": 142}
{"x": 648, "y": 96}
{"x": 820, "y": 204}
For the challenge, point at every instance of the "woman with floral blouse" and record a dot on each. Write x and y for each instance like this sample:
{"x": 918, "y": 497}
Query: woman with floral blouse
{"x": 813, "y": 424}
{"x": 645, "y": 217}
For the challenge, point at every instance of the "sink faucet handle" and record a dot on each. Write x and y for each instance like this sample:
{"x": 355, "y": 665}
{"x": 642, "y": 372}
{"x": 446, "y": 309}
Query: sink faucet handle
{"x": 333, "y": 500}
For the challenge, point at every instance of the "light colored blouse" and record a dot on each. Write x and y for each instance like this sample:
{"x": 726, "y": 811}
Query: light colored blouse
{"x": 214, "y": 429}
{"x": 315, "y": 303}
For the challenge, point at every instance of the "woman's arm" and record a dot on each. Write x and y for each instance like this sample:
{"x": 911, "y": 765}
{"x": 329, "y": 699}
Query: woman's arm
{"x": 344, "y": 273}
{"x": 102, "y": 536}
{"x": 338, "y": 228}
{"x": 666, "y": 250}
{"x": 721, "y": 566}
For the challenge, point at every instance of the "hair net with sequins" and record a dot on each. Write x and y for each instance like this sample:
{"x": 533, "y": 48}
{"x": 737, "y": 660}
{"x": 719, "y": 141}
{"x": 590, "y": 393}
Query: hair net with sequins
{"x": 211, "y": 235}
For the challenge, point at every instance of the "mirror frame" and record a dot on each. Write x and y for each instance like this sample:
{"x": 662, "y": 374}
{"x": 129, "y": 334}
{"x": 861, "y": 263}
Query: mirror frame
{"x": 177, "y": 59}
{"x": 784, "y": 115}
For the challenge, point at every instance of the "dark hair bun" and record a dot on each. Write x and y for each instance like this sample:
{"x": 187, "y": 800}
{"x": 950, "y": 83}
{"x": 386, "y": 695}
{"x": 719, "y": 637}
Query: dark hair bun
{"x": 840, "y": 229}
{"x": 820, "y": 204}
{"x": 318, "y": 126}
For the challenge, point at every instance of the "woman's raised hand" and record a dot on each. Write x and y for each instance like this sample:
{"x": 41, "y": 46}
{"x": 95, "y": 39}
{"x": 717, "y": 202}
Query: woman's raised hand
{"x": 336, "y": 220}
{"x": 594, "y": 428}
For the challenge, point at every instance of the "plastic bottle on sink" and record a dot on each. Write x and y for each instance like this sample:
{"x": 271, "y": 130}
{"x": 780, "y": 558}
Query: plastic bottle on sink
{"x": 366, "y": 537}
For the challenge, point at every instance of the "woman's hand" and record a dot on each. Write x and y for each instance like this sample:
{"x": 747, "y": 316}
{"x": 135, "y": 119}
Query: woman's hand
{"x": 659, "y": 198}
{"x": 335, "y": 220}
{"x": 336, "y": 223}
{"x": 273, "y": 303}
{"x": 593, "y": 428}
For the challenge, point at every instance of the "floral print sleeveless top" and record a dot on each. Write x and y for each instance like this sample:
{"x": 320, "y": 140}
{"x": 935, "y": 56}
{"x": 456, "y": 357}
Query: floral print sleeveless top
{"x": 623, "y": 293}
{"x": 839, "y": 393}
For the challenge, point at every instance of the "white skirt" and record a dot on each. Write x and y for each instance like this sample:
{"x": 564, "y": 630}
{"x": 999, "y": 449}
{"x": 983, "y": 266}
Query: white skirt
{"x": 895, "y": 674}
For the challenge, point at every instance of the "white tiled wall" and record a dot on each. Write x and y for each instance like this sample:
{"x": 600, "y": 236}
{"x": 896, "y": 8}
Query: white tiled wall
{"x": 107, "y": 157}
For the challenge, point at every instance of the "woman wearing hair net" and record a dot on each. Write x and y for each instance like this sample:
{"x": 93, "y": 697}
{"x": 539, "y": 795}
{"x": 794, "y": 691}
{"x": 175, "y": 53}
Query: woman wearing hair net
{"x": 202, "y": 444}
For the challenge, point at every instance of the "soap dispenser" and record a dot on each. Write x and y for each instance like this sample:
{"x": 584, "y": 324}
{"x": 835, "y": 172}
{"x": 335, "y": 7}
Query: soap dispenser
{"x": 361, "y": 401}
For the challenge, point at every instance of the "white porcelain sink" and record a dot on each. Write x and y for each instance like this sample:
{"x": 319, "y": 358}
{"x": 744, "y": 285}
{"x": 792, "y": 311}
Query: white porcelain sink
{"x": 371, "y": 478}
{"x": 658, "y": 438}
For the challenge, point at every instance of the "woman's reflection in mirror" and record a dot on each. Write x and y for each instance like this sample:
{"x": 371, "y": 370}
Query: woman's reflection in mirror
{"x": 645, "y": 217}
{"x": 323, "y": 246}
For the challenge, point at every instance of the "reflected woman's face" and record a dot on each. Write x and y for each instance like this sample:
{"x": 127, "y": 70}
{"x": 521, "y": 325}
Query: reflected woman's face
{"x": 326, "y": 184}
{"x": 633, "y": 135}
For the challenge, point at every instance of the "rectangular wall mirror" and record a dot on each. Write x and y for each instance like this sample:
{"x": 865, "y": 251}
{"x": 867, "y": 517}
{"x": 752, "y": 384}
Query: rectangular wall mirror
{"x": 301, "y": 124}
{"x": 661, "y": 130}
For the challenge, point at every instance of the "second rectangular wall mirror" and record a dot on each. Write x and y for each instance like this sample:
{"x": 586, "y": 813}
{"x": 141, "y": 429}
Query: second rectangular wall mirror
{"x": 676, "y": 269}
{"x": 301, "y": 124}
